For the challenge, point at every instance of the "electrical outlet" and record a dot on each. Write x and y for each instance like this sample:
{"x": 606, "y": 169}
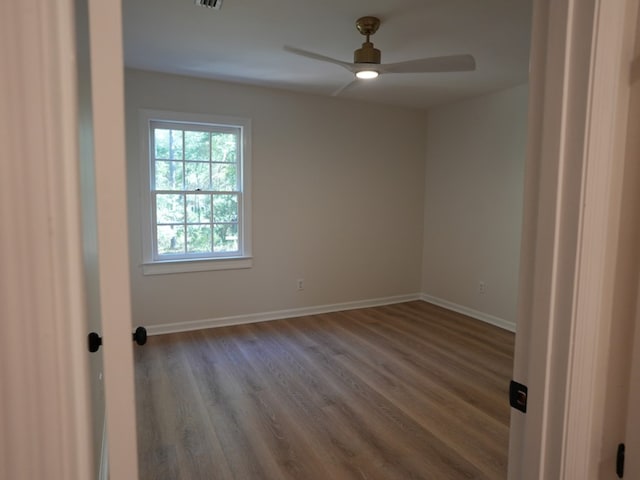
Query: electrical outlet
{"x": 482, "y": 288}
{"x": 300, "y": 283}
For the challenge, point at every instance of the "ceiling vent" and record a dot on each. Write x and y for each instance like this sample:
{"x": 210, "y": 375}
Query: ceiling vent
{"x": 217, "y": 4}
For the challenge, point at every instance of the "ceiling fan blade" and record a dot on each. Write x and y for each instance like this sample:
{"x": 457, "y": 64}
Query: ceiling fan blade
{"x": 317, "y": 56}
{"x": 346, "y": 86}
{"x": 450, "y": 63}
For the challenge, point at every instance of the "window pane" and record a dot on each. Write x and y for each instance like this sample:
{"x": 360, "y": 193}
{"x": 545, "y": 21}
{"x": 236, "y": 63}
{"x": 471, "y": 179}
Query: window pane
{"x": 225, "y": 208}
{"x": 196, "y": 146}
{"x": 224, "y": 177}
{"x": 198, "y": 208}
{"x": 226, "y": 238}
{"x": 170, "y": 239}
{"x": 161, "y": 142}
{"x": 224, "y": 147}
{"x": 197, "y": 176}
{"x": 168, "y": 144}
{"x": 175, "y": 144}
{"x": 169, "y": 175}
{"x": 198, "y": 238}
{"x": 169, "y": 208}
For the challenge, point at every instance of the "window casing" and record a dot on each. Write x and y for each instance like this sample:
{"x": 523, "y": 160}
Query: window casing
{"x": 196, "y": 199}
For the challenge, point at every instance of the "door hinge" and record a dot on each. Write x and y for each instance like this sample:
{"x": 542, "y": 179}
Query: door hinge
{"x": 620, "y": 461}
{"x": 518, "y": 396}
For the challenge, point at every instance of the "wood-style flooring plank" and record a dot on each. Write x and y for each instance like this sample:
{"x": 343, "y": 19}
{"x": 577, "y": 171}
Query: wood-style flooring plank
{"x": 406, "y": 391}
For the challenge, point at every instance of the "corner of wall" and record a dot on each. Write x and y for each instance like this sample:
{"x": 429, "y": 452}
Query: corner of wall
{"x": 470, "y": 312}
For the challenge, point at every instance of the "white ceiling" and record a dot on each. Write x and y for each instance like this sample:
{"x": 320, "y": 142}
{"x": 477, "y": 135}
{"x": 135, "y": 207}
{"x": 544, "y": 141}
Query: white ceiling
{"x": 243, "y": 42}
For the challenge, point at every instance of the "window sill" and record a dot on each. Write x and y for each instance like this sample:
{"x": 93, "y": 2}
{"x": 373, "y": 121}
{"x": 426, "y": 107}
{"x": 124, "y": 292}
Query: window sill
{"x": 185, "y": 266}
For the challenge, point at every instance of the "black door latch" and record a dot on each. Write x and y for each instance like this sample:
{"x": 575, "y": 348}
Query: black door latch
{"x": 620, "y": 461}
{"x": 518, "y": 396}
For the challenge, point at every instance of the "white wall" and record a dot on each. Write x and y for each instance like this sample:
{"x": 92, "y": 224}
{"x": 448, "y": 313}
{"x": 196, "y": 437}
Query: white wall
{"x": 473, "y": 204}
{"x": 338, "y": 190}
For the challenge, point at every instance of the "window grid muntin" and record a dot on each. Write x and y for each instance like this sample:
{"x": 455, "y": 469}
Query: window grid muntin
{"x": 212, "y": 223}
{"x": 211, "y": 129}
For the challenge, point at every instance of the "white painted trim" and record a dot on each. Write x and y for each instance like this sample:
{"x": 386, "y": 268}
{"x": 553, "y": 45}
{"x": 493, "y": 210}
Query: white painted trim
{"x": 524, "y": 458}
{"x": 597, "y": 242}
{"x": 200, "y": 265}
{"x": 151, "y": 266}
{"x": 470, "y": 312}
{"x": 632, "y": 437}
{"x": 276, "y": 315}
{"x": 103, "y": 470}
{"x": 546, "y": 261}
{"x": 573, "y": 126}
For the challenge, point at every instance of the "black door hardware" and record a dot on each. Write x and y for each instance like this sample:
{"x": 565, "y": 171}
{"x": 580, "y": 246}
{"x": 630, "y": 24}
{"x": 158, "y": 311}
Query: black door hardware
{"x": 140, "y": 336}
{"x": 620, "y": 461}
{"x": 518, "y": 396}
{"x": 94, "y": 341}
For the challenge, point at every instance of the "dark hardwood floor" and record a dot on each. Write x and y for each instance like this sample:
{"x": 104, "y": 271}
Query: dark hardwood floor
{"x": 406, "y": 391}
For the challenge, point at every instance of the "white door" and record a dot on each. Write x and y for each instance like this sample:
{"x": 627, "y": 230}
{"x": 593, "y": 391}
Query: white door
{"x": 45, "y": 362}
{"x": 103, "y": 228}
{"x": 107, "y": 85}
{"x": 43, "y": 355}
{"x": 45, "y": 404}
{"x": 90, "y": 238}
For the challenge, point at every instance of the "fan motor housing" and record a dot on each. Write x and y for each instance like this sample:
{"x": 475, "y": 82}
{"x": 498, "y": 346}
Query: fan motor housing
{"x": 367, "y": 54}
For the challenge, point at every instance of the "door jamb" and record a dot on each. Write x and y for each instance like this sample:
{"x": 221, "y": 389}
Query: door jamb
{"x": 576, "y": 106}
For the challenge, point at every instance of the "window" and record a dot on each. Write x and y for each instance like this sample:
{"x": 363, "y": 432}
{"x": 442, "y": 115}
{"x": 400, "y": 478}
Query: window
{"x": 197, "y": 200}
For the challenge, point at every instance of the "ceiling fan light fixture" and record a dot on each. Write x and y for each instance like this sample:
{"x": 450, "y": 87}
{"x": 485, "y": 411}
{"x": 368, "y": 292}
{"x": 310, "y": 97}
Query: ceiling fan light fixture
{"x": 367, "y": 63}
{"x": 366, "y": 74}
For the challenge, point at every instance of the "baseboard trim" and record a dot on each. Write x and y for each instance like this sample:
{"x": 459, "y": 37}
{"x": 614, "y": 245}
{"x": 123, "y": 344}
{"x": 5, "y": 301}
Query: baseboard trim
{"x": 276, "y": 315}
{"x": 470, "y": 312}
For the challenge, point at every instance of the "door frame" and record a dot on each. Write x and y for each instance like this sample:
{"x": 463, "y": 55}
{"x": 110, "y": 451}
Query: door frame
{"x": 632, "y": 420}
{"x": 45, "y": 378}
{"x": 578, "y": 106}
{"x": 632, "y": 438}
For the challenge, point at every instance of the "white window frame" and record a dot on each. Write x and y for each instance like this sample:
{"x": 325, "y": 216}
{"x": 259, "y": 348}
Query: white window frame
{"x": 155, "y": 266}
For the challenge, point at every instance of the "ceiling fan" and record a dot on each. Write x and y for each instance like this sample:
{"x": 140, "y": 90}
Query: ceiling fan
{"x": 366, "y": 60}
